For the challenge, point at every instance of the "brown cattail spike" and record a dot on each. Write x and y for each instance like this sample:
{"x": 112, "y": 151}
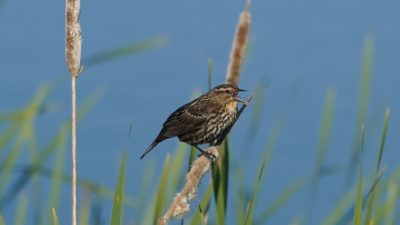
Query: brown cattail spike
{"x": 73, "y": 38}
{"x": 239, "y": 46}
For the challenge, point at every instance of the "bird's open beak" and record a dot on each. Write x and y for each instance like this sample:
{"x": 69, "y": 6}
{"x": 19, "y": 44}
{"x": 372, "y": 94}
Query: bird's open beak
{"x": 237, "y": 98}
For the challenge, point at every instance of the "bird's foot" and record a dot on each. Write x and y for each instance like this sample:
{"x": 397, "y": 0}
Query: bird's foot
{"x": 210, "y": 156}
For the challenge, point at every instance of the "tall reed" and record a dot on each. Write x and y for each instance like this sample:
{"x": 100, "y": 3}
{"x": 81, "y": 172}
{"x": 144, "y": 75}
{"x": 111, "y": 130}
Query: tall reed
{"x": 73, "y": 56}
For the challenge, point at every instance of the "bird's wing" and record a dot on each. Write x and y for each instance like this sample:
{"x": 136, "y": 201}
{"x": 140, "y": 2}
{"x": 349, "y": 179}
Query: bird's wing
{"x": 185, "y": 119}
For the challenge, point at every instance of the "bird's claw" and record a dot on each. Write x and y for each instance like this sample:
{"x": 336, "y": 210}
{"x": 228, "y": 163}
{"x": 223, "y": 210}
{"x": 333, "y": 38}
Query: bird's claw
{"x": 209, "y": 156}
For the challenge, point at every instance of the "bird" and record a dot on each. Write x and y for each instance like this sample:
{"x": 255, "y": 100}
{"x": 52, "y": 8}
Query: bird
{"x": 205, "y": 120}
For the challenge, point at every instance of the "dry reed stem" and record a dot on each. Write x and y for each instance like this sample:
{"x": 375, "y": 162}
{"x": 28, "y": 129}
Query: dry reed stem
{"x": 180, "y": 207}
{"x": 73, "y": 42}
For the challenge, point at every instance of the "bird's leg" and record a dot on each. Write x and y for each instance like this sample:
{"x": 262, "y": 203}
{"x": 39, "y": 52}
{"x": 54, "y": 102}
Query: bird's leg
{"x": 209, "y": 155}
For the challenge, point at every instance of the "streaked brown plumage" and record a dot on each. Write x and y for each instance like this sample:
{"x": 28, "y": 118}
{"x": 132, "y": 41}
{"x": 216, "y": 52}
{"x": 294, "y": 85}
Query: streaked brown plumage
{"x": 204, "y": 120}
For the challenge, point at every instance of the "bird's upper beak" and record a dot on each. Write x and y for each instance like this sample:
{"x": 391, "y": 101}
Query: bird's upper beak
{"x": 237, "y": 98}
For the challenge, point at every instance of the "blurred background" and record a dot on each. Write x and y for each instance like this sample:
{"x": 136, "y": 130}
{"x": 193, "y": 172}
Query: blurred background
{"x": 143, "y": 59}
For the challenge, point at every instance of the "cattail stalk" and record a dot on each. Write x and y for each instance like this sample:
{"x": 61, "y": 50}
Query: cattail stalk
{"x": 73, "y": 42}
{"x": 239, "y": 46}
{"x": 180, "y": 207}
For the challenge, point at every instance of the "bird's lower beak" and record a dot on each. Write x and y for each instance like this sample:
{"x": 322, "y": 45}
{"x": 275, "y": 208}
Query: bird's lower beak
{"x": 237, "y": 98}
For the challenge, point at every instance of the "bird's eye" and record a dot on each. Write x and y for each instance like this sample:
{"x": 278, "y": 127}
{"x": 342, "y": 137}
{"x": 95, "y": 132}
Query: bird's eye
{"x": 227, "y": 91}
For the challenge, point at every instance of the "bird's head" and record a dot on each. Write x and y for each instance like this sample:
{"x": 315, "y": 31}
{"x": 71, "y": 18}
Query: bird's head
{"x": 226, "y": 93}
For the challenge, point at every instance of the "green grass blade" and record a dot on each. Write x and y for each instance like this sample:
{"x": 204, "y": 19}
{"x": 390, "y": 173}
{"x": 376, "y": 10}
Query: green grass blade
{"x": 8, "y": 163}
{"x": 25, "y": 121}
{"x": 55, "y": 217}
{"x": 339, "y": 211}
{"x": 161, "y": 192}
{"x": 8, "y": 135}
{"x": 359, "y": 201}
{"x": 347, "y": 211}
{"x": 383, "y": 140}
{"x": 240, "y": 195}
{"x": 323, "y": 143}
{"x": 192, "y": 156}
{"x": 126, "y": 50}
{"x": 56, "y": 179}
{"x": 2, "y": 219}
{"x": 21, "y": 211}
{"x": 199, "y": 217}
{"x": 363, "y": 99}
{"x": 176, "y": 167}
{"x": 391, "y": 201}
{"x": 371, "y": 200}
{"x": 56, "y": 143}
{"x": 280, "y": 201}
{"x": 117, "y": 209}
{"x": 84, "y": 212}
{"x": 101, "y": 191}
{"x": 325, "y": 130}
{"x": 251, "y": 204}
{"x": 220, "y": 180}
{"x": 269, "y": 149}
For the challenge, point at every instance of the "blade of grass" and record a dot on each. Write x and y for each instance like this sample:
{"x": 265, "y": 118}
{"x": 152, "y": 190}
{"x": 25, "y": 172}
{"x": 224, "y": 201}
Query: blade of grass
{"x": 55, "y": 217}
{"x": 251, "y": 204}
{"x": 155, "y": 209}
{"x": 268, "y": 151}
{"x": 101, "y": 191}
{"x": 192, "y": 156}
{"x": 199, "y": 217}
{"x": 163, "y": 186}
{"x": 129, "y": 49}
{"x": 391, "y": 201}
{"x": 8, "y": 135}
{"x": 383, "y": 139}
{"x": 25, "y": 122}
{"x": 240, "y": 197}
{"x": 371, "y": 200}
{"x": 43, "y": 155}
{"x": 84, "y": 211}
{"x": 359, "y": 201}
{"x": 280, "y": 201}
{"x": 220, "y": 179}
{"x": 21, "y": 211}
{"x": 209, "y": 73}
{"x": 362, "y": 110}
{"x": 325, "y": 132}
{"x": 175, "y": 173}
{"x": 56, "y": 179}
{"x": 344, "y": 211}
{"x": 117, "y": 209}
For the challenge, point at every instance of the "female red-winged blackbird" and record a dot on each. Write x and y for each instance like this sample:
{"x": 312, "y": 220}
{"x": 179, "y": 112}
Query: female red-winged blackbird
{"x": 203, "y": 120}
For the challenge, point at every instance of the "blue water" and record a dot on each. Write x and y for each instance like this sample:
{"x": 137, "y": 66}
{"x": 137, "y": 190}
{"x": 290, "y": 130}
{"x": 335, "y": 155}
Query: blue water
{"x": 298, "y": 48}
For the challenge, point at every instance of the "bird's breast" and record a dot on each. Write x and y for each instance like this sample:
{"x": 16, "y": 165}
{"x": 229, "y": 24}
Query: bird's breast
{"x": 231, "y": 107}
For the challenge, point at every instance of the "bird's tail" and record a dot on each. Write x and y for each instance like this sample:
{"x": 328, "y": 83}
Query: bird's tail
{"x": 155, "y": 142}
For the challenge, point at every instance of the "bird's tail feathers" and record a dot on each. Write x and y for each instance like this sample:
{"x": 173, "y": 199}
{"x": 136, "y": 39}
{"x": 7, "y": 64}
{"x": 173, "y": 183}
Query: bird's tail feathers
{"x": 149, "y": 149}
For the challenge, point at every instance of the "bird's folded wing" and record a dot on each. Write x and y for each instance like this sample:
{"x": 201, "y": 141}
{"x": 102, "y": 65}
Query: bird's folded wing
{"x": 183, "y": 120}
